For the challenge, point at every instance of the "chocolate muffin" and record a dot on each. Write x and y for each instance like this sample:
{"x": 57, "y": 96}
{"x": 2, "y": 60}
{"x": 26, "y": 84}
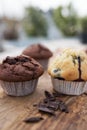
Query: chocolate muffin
{"x": 39, "y": 52}
{"x": 19, "y": 75}
{"x": 68, "y": 72}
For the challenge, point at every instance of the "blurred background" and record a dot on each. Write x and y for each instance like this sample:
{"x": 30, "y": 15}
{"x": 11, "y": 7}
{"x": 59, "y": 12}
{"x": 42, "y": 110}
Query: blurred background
{"x": 58, "y": 23}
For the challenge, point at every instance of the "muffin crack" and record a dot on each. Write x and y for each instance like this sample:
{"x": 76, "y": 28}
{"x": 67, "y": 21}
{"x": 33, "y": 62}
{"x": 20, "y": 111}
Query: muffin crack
{"x": 79, "y": 67}
{"x": 78, "y": 58}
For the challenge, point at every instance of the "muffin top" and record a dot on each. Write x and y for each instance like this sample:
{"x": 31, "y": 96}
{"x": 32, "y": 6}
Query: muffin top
{"x": 20, "y": 68}
{"x": 70, "y": 65}
{"x": 37, "y": 51}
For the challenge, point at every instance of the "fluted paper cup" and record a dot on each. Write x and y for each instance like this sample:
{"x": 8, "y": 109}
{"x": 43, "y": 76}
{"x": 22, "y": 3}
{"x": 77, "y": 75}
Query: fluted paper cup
{"x": 69, "y": 87}
{"x": 19, "y": 88}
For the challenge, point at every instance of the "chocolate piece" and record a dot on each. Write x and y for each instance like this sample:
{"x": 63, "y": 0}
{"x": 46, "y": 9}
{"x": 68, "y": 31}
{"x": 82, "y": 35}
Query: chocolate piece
{"x": 53, "y": 105}
{"x": 56, "y": 94}
{"x": 46, "y": 100}
{"x": 63, "y": 107}
{"x": 49, "y": 96}
{"x": 33, "y": 119}
{"x": 43, "y": 108}
{"x": 9, "y": 60}
{"x": 50, "y": 105}
{"x": 58, "y": 101}
{"x": 15, "y": 60}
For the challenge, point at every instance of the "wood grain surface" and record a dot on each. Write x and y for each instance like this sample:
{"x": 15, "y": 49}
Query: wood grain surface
{"x": 13, "y": 110}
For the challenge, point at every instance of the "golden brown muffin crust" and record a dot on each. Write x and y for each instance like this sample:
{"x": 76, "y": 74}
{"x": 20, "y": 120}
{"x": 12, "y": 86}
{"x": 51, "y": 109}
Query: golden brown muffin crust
{"x": 71, "y": 65}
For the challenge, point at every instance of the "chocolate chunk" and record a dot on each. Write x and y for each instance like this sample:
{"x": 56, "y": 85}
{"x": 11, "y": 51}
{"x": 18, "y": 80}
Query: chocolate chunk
{"x": 9, "y": 60}
{"x": 50, "y": 105}
{"x": 63, "y": 107}
{"x": 46, "y": 100}
{"x": 53, "y": 105}
{"x": 43, "y": 108}
{"x": 33, "y": 119}
{"x": 58, "y": 101}
{"x": 49, "y": 96}
{"x": 13, "y": 61}
{"x": 56, "y": 94}
{"x": 23, "y": 59}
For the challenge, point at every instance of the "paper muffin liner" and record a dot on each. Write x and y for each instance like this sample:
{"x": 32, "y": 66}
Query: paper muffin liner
{"x": 19, "y": 88}
{"x": 69, "y": 87}
{"x": 43, "y": 62}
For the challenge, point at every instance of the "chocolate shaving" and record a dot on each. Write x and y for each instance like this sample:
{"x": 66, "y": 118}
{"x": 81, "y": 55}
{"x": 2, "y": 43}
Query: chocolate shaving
{"x": 44, "y": 109}
{"x": 33, "y": 119}
{"x": 63, "y": 107}
{"x": 15, "y": 60}
{"x": 53, "y": 105}
{"x": 48, "y": 106}
{"x": 45, "y": 100}
{"x": 49, "y": 96}
{"x": 56, "y": 94}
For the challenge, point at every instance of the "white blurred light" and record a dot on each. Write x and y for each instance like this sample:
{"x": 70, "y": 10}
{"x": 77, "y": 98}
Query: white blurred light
{"x": 15, "y": 8}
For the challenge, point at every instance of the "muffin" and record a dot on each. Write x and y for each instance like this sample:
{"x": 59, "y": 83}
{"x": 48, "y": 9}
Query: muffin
{"x": 58, "y": 51}
{"x": 69, "y": 72}
{"x": 39, "y": 52}
{"x": 19, "y": 75}
{"x": 85, "y": 50}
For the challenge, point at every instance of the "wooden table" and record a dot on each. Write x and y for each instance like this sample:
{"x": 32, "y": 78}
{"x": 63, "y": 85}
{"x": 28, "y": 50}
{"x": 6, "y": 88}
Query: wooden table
{"x": 13, "y": 110}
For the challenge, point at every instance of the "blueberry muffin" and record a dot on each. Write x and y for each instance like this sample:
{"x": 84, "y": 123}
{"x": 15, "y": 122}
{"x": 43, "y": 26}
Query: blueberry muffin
{"x": 19, "y": 75}
{"x": 69, "y": 72}
{"x": 39, "y": 52}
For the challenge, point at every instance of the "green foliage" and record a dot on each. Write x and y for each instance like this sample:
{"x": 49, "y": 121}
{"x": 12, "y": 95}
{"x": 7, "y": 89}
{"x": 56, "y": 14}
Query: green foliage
{"x": 34, "y": 22}
{"x": 66, "y": 19}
